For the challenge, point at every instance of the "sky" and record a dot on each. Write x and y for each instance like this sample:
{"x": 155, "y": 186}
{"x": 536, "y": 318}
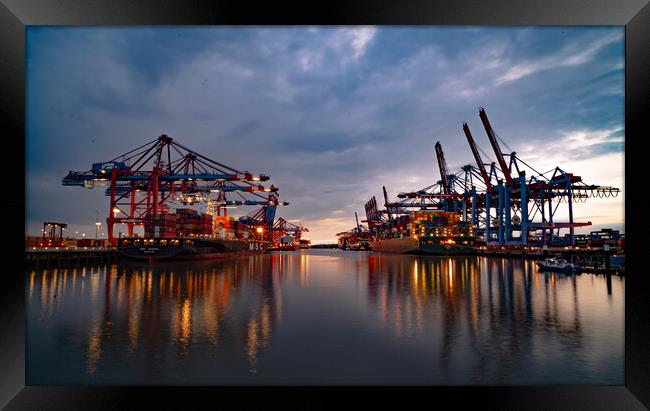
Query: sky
{"x": 330, "y": 113}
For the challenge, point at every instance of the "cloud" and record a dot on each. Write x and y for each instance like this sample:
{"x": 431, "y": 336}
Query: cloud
{"x": 360, "y": 39}
{"x": 331, "y": 113}
{"x": 570, "y": 55}
{"x": 572, "y": 145}
{"x": 354, "y": 38}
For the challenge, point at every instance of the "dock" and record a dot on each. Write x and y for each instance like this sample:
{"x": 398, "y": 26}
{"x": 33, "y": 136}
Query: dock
{"x": 62, "y": 256}
{"x": 592, "y": 259}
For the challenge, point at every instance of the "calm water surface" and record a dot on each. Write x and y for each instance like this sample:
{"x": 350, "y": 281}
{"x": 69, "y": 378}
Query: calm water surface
{"x": 324, "y": 317}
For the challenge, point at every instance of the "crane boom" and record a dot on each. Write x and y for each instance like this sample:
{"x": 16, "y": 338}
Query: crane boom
{"x": 477, "y": 157}
{"x": 442, "y": 165}
{"x": 386, "y": 202}
{"x": 373, "y": 216}
{"x": 495, "y": 146}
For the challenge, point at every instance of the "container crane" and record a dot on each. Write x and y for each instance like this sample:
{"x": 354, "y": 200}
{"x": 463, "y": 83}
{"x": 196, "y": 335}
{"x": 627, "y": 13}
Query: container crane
{"x": 386, "y": 202}
{"x": 519, "y": 203}
{"x": 374, "y": 216}
{"x": 480, "y": 202}
{"x": 440, "y": 195}
{"x": 477, "y": 158}
{"x": 50, "y": 236}
{"x": 261, "y": 221}
{"x": 442, "y": 166}
{"x": 283, "y": 229}
{"x": 539, "y": 191}
{"x": 356, "y": 238}
{"x": 146, "y": 179}
{"x": 495, "y": 146}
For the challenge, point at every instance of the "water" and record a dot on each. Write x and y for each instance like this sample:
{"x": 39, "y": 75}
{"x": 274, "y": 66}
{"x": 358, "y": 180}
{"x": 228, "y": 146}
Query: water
{"x": 324, "y": 317}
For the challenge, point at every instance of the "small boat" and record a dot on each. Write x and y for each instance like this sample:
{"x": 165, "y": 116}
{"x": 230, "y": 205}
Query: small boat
{"x": 558, "y": 265}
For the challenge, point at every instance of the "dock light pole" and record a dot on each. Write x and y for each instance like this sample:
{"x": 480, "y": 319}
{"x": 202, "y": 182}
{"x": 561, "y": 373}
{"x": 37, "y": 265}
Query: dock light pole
{"x": 97, "y": 225}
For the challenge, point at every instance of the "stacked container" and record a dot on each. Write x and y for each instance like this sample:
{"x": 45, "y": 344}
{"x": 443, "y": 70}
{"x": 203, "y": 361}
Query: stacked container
{"x": 206, "y": 224}
{"x": 441, "y": 218}
{"x": 90, "y": 242}
{"x": 188, "y": 222}
{"x": 160, "y": 226}
{"x": 400, "y": 226}
{"x": 453, "y": 218}
{"x": 240, "y": 230}
{"x": 439, "y": 223}
{"x": 224, "y": 227}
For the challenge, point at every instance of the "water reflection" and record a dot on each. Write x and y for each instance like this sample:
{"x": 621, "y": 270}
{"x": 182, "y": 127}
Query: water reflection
{"x": 493, "y": 311}
{"x": 294, "y": 317}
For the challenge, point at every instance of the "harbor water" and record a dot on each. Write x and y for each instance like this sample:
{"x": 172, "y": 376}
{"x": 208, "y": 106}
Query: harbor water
{"x": 324, "y": 317}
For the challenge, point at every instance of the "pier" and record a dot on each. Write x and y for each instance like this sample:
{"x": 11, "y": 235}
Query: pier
{"x": 591, "y": 259}
{"x": 59, "y": 257}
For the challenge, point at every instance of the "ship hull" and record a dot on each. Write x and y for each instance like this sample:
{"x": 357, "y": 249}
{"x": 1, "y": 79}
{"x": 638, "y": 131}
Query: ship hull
{"x": 447, "y": 250}
{"x": 404, "y": 245}
{"x": 182, "y": 249}
{"x": 410, "y": 245}
{"x": 284, "y": 248}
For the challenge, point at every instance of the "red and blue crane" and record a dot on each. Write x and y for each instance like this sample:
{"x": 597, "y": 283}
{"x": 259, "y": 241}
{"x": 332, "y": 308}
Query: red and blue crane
{"x": 148, "y": 178}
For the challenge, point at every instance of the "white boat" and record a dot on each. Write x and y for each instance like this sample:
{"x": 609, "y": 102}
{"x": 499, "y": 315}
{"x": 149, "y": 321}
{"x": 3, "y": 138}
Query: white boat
{"x": 558, "y": 265}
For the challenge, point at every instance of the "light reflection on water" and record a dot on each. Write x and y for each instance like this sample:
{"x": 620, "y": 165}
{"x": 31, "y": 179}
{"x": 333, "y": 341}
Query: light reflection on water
{"x": 324, "y": 316}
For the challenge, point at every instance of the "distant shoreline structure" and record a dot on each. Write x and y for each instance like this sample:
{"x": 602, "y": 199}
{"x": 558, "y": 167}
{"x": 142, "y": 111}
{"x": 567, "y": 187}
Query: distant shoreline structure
{"x": 332, "y": 245}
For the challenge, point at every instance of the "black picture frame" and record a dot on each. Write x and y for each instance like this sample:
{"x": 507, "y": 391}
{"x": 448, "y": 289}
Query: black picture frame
{"x": 16, "y": 14}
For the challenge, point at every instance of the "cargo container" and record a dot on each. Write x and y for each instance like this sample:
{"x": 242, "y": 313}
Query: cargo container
{"x": 224, "y": 227}
{"x": 428, "y": 232}
{"x": 160, "y": 226}
{"x": 186, "y": 211}
{"x": 91, "y": 242}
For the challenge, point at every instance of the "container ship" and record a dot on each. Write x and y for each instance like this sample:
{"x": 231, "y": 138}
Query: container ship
{"x": 163, "y": 173}
{"x": 184, "y": 248}
{"x": 285, "y": 243}
{"x": 432, "y": 232}
{"x": 287, "y": 236}
{"x": 188, "y": 235}
{"x": 355, "y": 239}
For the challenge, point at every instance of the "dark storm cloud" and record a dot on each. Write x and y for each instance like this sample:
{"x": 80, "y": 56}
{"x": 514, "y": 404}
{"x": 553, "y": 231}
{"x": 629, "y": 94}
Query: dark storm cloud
{"x": 332, "y": 114}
